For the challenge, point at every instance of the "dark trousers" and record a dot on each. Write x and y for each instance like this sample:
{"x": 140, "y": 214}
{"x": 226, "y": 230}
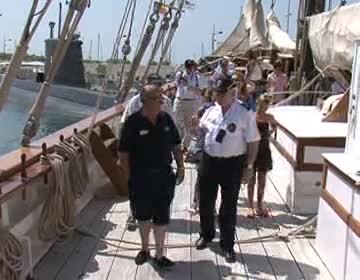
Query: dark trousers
{"x": 225, "y": 172}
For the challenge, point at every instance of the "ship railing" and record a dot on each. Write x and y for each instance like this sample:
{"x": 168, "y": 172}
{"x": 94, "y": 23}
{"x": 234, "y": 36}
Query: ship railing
{"x": 22, "y": 166}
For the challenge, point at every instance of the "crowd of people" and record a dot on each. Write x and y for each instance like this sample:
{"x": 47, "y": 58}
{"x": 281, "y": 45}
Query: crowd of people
{"x": 219, "y": 121}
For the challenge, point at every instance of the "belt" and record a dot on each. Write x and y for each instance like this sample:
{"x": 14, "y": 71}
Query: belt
{"x": 225, "y": 158}
{"x": 186, "y": 99}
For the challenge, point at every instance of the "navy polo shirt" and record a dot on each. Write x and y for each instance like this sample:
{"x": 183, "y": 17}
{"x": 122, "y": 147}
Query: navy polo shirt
{"x": 149, "y": 145}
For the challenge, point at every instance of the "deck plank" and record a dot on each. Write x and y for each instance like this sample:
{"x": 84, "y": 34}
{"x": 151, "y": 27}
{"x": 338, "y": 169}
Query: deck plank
{"x": 86, "y": 258}
{"x": 103, "y": 257}
{"x": 237, "y": 270}
{"x": 279, "y": 255}
{"x": 180, "y": 230}
{"x": 254, "y": 255}
{"x": 203, "y": 262}
{"x": 305, "y": 254}
{"x": 124, "y": 266}
{"x": 73, "y": 267}
{"x": 54, "y": 260}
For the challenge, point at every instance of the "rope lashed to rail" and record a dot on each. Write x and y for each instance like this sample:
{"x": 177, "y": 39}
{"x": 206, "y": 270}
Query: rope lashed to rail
{"x": 70, "y": 181}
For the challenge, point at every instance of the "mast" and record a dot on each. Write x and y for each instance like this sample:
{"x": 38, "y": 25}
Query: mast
{"x": 306, "y": 64}
{"x": 90, "y": 50}
{"x": 60, "y": 19}
{"x": 289, "y": 14}
{"x": 98, "y": 47}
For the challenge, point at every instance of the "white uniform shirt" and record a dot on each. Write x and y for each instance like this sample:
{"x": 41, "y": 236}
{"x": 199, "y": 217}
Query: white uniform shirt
{"x": 239, "y": 124}
{"x": 135, "y": 104}
{"x": 230, "y": 72}
{"x": 254, "y": 71}
{"x": 187, "y": 85}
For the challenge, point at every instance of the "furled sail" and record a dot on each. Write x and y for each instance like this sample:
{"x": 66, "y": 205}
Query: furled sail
{"x": 332, "y": 35}
{"x": 248, "y": 33}
{"x": 277, "y": 37}
{"x": 258, "y": 28}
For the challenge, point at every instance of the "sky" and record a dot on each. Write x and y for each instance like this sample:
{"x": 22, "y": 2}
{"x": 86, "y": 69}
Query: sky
{"x": 104, "y": 17}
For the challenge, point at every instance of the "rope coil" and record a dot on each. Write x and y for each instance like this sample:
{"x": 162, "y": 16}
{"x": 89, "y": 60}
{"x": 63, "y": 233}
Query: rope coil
{"x": 57, "y": 220}
{"x": 11, "y": 256}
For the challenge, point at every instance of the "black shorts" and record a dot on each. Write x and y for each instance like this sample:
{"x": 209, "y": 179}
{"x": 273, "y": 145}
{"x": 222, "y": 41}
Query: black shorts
{"x": 151, "y": 194}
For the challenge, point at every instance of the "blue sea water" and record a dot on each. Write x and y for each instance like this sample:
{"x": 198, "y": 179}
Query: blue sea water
{"x": 57, "y": 115}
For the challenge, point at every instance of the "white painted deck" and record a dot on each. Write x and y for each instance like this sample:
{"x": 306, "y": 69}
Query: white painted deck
{"x": 84, "y": 257}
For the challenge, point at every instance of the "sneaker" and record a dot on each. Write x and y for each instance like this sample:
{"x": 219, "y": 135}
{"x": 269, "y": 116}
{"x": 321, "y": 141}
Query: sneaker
{"x": 131, "y": 224}
{"x": 142, "y": 257}
{"x": 164, "y": 262}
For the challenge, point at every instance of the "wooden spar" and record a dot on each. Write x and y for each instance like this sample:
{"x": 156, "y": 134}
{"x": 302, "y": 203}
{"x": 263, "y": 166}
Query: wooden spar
{"x": 306, "y": 64}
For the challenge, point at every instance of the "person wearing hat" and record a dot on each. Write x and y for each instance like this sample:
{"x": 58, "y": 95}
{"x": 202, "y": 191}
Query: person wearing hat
{"x": 134, "y": 105}
{"x": 148, "y": 143}
{"x": 230, "y": 145}
{"x": 186, "y": 100}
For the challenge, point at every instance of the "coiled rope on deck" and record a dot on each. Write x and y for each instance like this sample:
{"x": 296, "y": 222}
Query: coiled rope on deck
{"x": 11, "y": 255}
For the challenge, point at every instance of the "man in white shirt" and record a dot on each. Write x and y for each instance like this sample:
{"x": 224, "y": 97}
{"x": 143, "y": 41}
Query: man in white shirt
{"x": 133, "y": 106}
{"x": 230, "y": 146}
{"x": 187, "y": 100}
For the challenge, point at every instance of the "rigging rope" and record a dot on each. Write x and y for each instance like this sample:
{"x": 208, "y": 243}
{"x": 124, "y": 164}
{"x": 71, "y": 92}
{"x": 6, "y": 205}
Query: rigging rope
{"x": 111, "y": 64}
{"x": 124, "y": 90}
{"x": 11, "y": 255}
{"x": 164, "y": 27}
{"x": 126, "y": 49}
{"x": 21, "y": 49}
{"x": 144, "y": 25}
{"x": 76, "y": 11}
{"x": 171, "y": 35}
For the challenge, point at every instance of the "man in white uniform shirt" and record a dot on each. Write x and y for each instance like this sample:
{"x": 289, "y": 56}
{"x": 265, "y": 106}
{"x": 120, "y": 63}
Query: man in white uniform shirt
{"x": 230, "y": 148}
{"x": 134, "y": 105}
{"x": 187, "y": 100}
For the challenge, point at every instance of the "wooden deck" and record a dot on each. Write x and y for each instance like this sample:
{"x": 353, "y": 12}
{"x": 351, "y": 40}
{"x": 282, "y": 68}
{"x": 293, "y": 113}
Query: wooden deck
{"x": 84, "y": 257}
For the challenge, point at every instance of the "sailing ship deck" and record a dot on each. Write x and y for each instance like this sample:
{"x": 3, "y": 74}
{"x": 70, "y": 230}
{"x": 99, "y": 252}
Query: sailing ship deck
{"x": 84, "y": 257}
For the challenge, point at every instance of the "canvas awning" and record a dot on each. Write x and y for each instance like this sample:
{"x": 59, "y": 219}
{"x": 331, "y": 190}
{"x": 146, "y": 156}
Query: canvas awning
{"x": 277, "y": 37}
{"x": 332, "y": 35}
{"x": 249, "y": 32}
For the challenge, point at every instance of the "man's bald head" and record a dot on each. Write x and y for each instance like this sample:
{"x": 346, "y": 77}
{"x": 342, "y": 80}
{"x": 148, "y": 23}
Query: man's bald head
{"x": 152, "y": 95}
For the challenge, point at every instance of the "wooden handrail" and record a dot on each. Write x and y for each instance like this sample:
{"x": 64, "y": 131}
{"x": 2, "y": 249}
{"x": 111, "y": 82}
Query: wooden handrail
{"x": 12, "y": 179}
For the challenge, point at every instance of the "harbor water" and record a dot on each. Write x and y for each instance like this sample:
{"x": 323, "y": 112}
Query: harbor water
{"x": 57, "y": 115}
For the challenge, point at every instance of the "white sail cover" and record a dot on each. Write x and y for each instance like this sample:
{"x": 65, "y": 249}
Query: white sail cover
{"x": 249, "y": 12}
{"x": 277, "y": 37}
{"x": 249, "y": 32}
{"x": 258, "y": 28}
{"x": 332, "y": 35}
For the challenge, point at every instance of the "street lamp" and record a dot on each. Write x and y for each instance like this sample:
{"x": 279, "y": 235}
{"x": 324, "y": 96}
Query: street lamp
{"x": 6, "y": 41}
{"x": 213, "y": 40}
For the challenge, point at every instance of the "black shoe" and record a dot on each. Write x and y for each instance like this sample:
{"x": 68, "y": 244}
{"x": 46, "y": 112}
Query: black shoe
{"x": 230, "y": 256}
{"x": 131, "y": 224}
{"x": 142, "y": 257}
{"x": 202, "y": 243}
{"x": 164, "y": 262}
